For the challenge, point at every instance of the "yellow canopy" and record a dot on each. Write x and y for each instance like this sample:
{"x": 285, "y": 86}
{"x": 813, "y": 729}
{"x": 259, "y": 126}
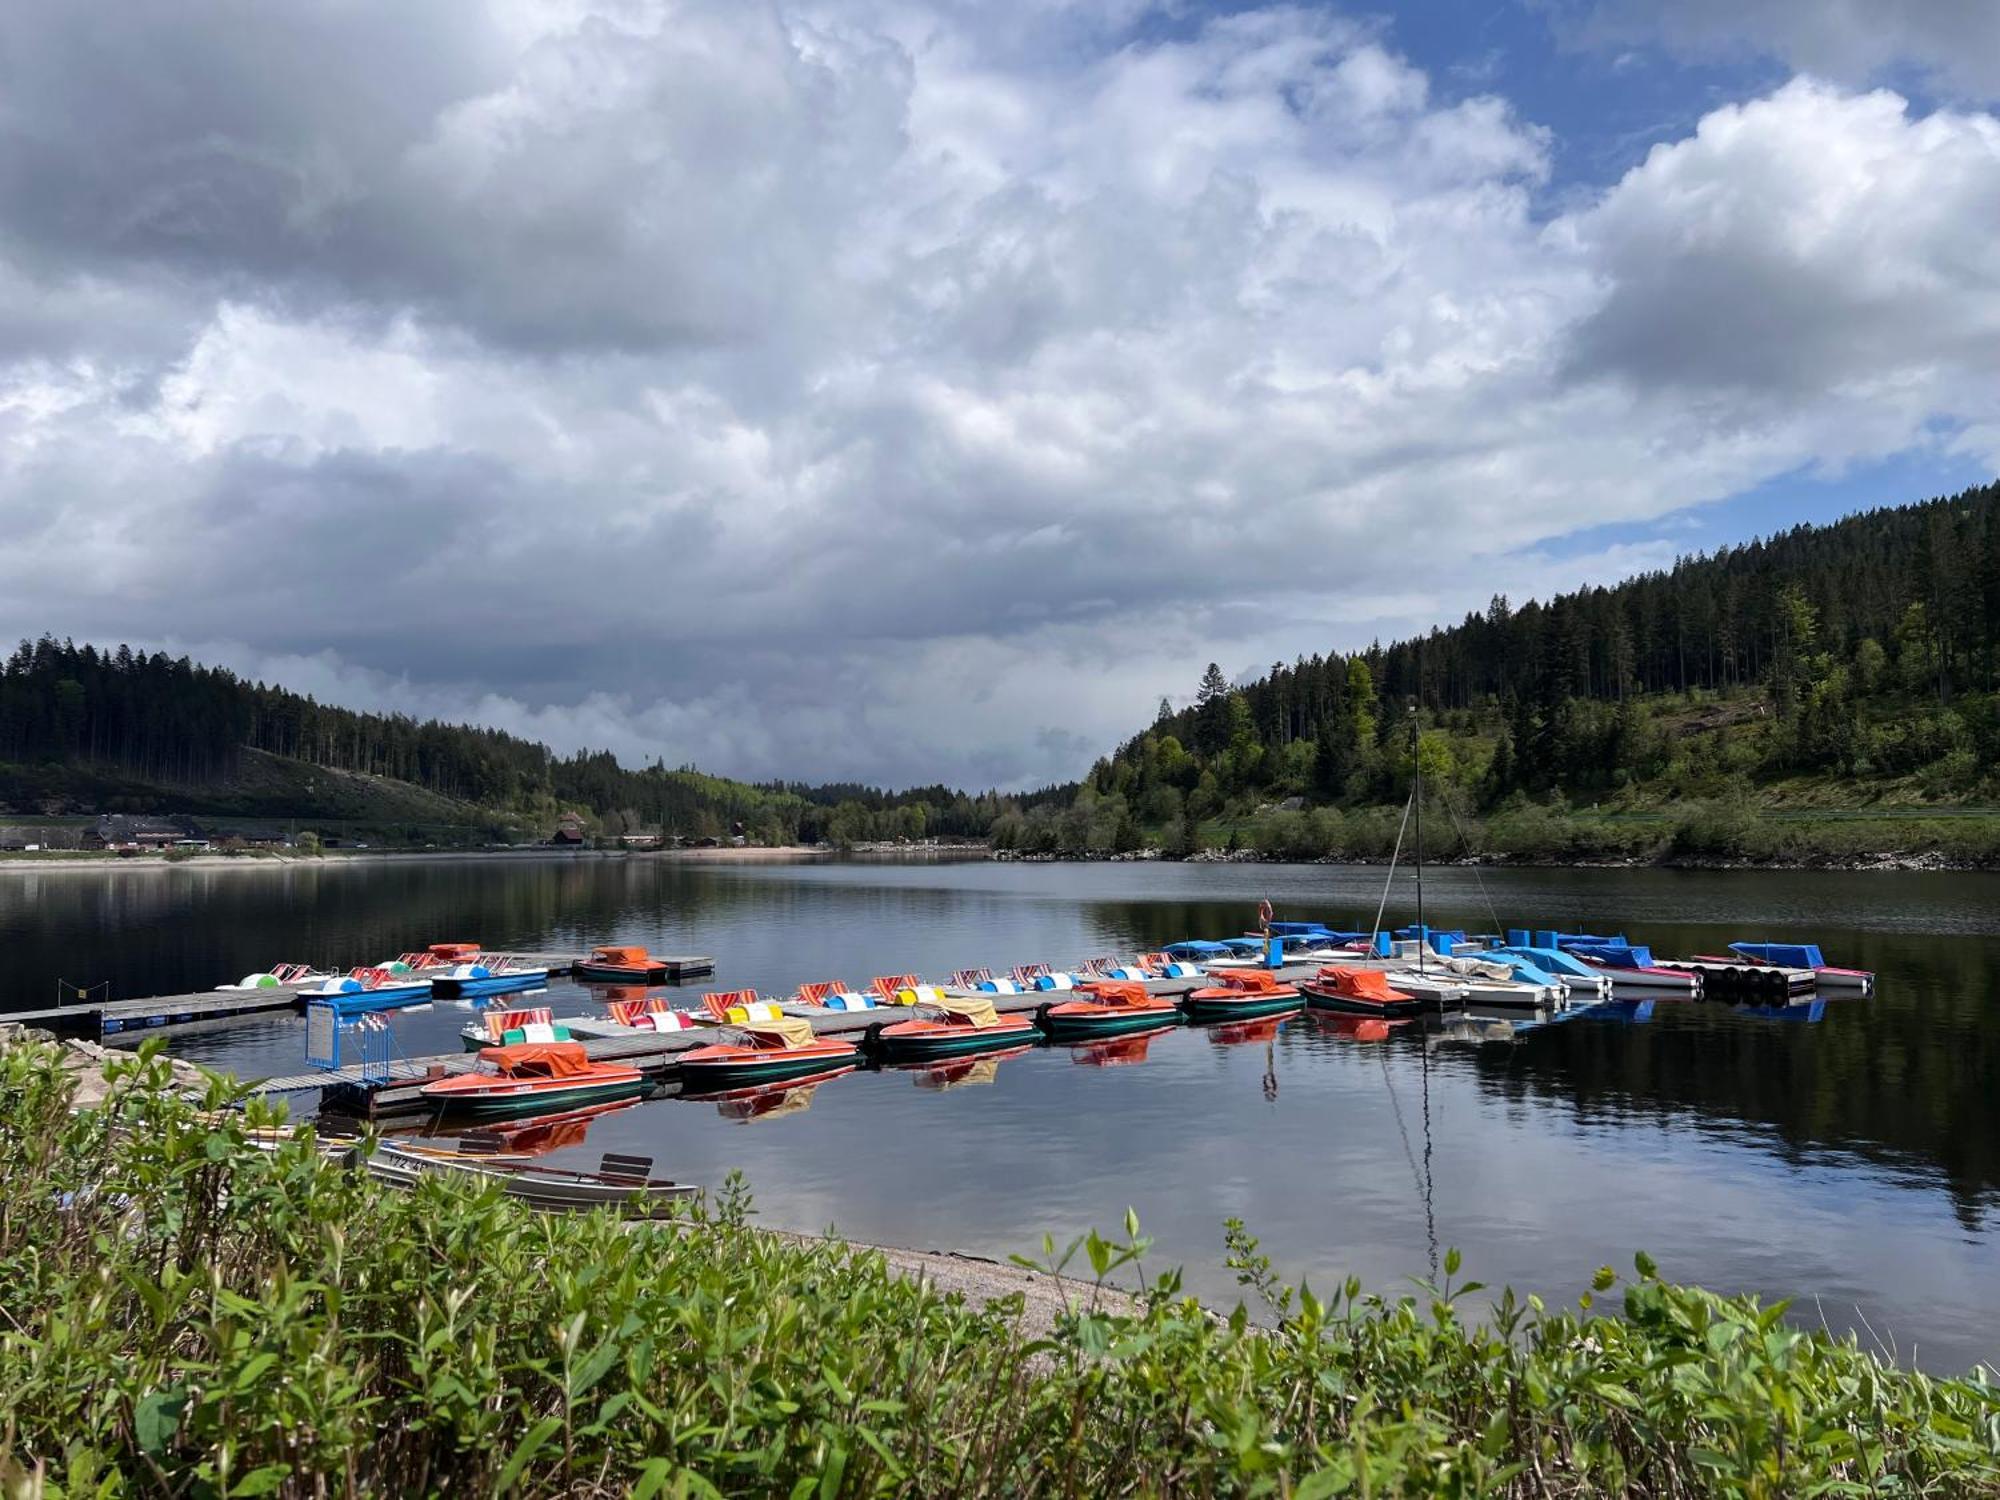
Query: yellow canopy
{"x": 976, "y": 1010}
{"x": 793, "y": 1031}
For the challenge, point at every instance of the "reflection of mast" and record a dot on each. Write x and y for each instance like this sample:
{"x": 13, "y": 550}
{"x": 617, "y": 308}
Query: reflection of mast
{"x": 1271, "y": 1068}
{"x": 1420, "y": 1175}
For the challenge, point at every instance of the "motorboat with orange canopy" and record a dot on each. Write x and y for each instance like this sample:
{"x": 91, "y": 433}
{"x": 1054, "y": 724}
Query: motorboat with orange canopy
{"x": 1239, "y": 995}
{"x": 534, "y": 1078}
{"x": 964, "y": 1023}
{"x": 1108, "y": 1007}
{"x": 1360, "y": 992}
{"x": 763, "y": 1050}
{"x": 622, "y": 963}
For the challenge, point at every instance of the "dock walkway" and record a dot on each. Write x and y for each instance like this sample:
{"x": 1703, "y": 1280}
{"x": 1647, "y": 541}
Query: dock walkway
{"x": 119, "y": 1021}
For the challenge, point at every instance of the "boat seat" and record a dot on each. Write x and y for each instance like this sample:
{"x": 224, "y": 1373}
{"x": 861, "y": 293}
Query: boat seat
{"x": 1127, "y": 971}
{"x": 1055, "y": 981}
{"x": 850, "y": 1000}
{"x": 997, "y": 987}
{"x": 920, "y": 994}
{"x": 756, "y": 1010}
{"x": 666, "y": 1020}
{"x": 534, "y": 1031}
{"x": 626, "y": 1168}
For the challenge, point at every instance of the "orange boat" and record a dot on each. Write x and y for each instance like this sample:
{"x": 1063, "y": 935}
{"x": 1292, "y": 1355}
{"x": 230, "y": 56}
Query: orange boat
{"x": 772, "y": 1048}
{"x": 969, "y": 1023}
{"x": 1240, "y": 995}
{"x": 534, "y": 1078}
{"x": 1107, "y": 1007}
{"x": 622, "y": 964}
{"x": 1359, "y": 992}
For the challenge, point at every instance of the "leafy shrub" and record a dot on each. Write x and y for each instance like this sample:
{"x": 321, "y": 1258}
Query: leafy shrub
{"x": 190, "y": 1314}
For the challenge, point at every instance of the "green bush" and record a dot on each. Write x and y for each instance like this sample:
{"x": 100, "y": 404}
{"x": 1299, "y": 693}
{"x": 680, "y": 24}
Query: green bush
{"x": 189, "y": 1314}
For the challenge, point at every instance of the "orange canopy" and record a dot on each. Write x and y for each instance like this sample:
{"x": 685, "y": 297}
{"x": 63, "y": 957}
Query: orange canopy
{"x": 636, "y": 957}
{"x": 1117, "y": 992}
{"x": 1363, "y": 984}
{"x": 539, "y": 1059}
{"x": 1251, "y": 981}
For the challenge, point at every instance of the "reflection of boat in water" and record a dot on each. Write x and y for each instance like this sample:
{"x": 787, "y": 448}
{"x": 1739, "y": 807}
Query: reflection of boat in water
{"x": 1805, "y": 1012}
{"x": 521, "y": 1139}
{"x": 1261, "y": 1029}
{"x": 961, "y": 1072}
{"x": 1358, "y": 1028}
{"x": 1113, "y": 1052}
{"x": 767, "y": 1101}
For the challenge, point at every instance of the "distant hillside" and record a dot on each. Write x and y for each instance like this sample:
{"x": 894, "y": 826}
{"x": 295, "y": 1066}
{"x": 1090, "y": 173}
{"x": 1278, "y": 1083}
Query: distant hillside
{"x": 90, "y": 730}
{"x": 1848, "y": 667}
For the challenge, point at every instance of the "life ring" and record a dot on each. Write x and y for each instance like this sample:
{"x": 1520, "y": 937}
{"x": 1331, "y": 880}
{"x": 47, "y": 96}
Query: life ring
{"x": 1264, "y": 914}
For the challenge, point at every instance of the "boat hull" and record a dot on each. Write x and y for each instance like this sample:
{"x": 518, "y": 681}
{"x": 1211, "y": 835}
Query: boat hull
{"x": 372, "y": 1002}
{"x": 1075, "y": 1026}
{"x": 497, "y": 984}
{"x": 898, "y": 1045}
{"x": 620, "y": 973}
{"x": 1329, "y": 999}
{"x": 507, "y": 1100}
{"x": 733, "y": 1072}
{"x": 1202, "y": 1009}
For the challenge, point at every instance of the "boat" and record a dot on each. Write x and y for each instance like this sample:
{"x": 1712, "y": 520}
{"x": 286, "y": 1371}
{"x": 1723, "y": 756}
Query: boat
{"x": 830, "y": 994}
{"x": 1240, "y": 995}
{"x": 278, "y": 976}
{"x": 966, "y": 1023}
{"x": 652, "y": 1013}
{"x": 534, "y": 1078}
{"x": 1567, "y": 967}
{"x": 1107, "y": 1007}
{"x": 622, "y": 963}
{"x": 367, "y": 990}
{"x": 620, "y": 1182}
{"x": 1631, "y": 966}
{"x": 764, "y": 1051}
{"x": 1438, "y": 990}
{"x": 1509, "y": 982}
{"x": 1806, "y": 956}
{"x": 503, "y": 1028}
{"x": 1360, "y": 992}
{"x": 474, "y": 980}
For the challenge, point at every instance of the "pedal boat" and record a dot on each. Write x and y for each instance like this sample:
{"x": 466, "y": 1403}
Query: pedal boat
{"x": 367, "y": 990}
{"x": 769, "y": 1049}
{"x": 534, "y": 1078}
{"x": 1359, "y": 992}
{"x": 621, "y": 964}
{"x": 1240, "y": 995}
{"x": 1107, "y": 1007}
{"x": 964, "y": 1023}
{"x": 472, "y": 980}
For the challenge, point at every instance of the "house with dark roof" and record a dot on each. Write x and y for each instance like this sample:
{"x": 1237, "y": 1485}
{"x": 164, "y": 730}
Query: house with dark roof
{"x": 123, "y": 831}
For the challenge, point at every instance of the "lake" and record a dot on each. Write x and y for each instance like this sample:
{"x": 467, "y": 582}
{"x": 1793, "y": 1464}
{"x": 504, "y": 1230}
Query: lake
{"x": 1846, "y": 1156}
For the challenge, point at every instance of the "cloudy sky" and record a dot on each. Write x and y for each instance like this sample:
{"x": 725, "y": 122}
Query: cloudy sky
{"x": 918, "y": 390}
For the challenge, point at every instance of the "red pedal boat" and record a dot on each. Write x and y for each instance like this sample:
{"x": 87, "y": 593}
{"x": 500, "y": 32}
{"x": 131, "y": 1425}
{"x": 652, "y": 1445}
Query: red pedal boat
{"x": 1241, "y": 995}
{"x": 534, "y": 1078}
{"x": 967, "y": 1024}
{"x": 1359, "y": 992}
{"x": 1108, "y": 1007}
{"x": 780, "y": 1047}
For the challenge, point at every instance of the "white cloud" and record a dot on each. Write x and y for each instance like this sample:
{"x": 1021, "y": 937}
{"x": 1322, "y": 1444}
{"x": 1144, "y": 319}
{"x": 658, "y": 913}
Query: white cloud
{"x": 860, "y": 392}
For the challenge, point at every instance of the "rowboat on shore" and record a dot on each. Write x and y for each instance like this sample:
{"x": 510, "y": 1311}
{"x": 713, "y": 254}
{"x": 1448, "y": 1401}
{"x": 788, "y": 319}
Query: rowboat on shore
{"x": 534, "y": 1078}
{"x": 1240, "y": 995}
{"x": 1107, "y": 1007}
{"x": 763, "y": 1051}
{"x": 620, "y": 1182}
{"x": 963, "y": 1023}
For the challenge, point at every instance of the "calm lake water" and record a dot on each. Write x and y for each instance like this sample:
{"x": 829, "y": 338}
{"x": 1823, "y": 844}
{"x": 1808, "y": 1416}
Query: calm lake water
{"x": 1846, "y": 1156}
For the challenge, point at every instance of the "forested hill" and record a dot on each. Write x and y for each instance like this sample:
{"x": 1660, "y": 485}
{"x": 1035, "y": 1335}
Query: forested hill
{"x": 89, "y": 730}
{"x": 1844, "y": 663}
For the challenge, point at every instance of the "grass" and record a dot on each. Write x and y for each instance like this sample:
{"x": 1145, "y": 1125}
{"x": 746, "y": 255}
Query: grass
{"x": 188, "y": 1314}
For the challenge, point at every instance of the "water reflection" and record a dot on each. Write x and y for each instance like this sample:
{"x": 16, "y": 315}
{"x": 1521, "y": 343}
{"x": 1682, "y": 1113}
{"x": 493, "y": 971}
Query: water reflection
{"x": 1846, "y": 1151}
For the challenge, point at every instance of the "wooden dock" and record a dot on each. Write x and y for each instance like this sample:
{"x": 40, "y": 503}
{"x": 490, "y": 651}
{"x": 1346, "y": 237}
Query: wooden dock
{"x": 345, "y": 1091}
{"x": 131, "y": 1021}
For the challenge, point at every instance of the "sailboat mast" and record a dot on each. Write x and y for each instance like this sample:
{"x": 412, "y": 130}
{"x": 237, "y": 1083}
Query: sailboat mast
{"x": 1417, "y": 790}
